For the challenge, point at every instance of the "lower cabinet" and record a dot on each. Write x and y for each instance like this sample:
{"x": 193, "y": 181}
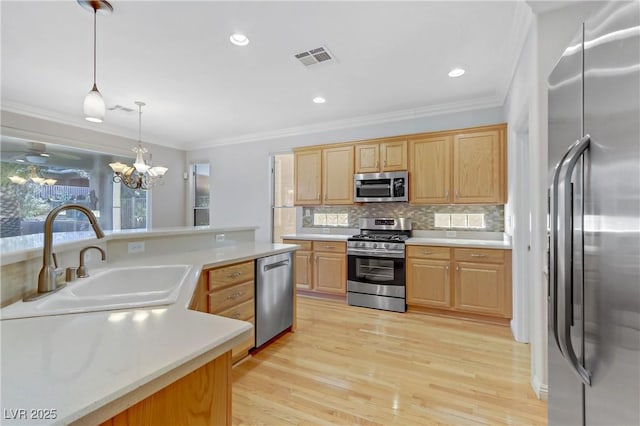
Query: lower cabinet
{"x": 201, "y": 397}
{"x": 321, "y": 266}
{"x": 464, "y": 280}
{"x": 228, "y": 291}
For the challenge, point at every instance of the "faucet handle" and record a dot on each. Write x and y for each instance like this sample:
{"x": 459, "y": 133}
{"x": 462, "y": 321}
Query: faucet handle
{"x": 55, "y": 260}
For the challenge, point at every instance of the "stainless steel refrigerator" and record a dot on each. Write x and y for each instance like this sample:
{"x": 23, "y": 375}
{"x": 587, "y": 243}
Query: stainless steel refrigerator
{"x": 594, "y": 223}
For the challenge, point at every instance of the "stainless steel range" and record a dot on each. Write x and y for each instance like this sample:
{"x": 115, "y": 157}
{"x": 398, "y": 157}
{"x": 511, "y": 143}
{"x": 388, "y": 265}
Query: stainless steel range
{"x": 376, "y": 276}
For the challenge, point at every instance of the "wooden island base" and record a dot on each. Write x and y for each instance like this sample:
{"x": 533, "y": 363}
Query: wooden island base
{"x": 202, "y": 397}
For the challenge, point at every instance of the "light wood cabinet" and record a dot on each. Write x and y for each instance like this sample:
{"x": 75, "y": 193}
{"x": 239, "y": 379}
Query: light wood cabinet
{"x": 337, "y": 175}
{"x": 308, "y": 177}
{"x": 386, "y": 156}
{"x": 323, "y": 175}
{"x": 459, "y": 167}
{"x": 322, "y": 269}
{"x": 479, "y": 166}
{"x": 430, "y": 170}
{"x": 229, "y": 291}
{"x": 201, "y": 397}
{"x": 460, "y": 281}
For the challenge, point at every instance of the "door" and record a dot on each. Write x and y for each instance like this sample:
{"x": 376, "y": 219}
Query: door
{"x": 429, "y": 170}
{"x": 480, "y": 288}
{"x": 308, "y": 177}
{"x": 367, "y": 158}
{"x": 565, "y": 127}
{"x": 393, "y": 156}
{"x": 612, "y": 204}
{"x": 330, "y": 273}
{"x": 428, "y": 283}
{"x": 477, "y": 162}
{"x": 337, "y": 175}
{"x": 304, "y": 270}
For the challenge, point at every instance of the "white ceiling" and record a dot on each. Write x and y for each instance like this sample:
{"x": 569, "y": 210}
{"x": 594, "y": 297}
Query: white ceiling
{"x": 392, "y": 60}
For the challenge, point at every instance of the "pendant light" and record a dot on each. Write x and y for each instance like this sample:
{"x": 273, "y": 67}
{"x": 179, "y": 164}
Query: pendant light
{"x": 94, "y": 107}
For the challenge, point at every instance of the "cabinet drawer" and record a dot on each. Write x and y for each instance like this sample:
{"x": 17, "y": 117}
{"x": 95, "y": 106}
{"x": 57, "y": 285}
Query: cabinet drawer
{"x": 330, "y": 246}
{"x": 228, "y": 275}
{"x": 479, "y": 255}
{"x": 243, "y": 311}
{"x": 429, "y": 252}
{"x": 230, "y": 296}
{"x": 304, "y": 245}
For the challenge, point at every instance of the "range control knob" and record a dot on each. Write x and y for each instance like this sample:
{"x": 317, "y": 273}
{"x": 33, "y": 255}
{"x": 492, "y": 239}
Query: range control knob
{"x": 387, "y": 245}
{"x": 375, "y": 245}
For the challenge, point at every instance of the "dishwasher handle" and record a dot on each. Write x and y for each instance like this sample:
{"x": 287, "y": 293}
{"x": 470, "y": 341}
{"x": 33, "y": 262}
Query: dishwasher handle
{"x": 276, "y": 265}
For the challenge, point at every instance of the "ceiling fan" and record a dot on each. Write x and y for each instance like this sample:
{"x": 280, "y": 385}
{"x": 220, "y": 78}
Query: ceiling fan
{"x": 20, "y": 151}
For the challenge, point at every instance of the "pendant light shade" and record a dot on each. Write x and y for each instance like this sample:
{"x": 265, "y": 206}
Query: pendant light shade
{"x": 94, "y": 107}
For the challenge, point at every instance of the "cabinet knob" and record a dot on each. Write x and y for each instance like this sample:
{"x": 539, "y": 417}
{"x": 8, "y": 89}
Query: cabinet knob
{"x": 446, "y": 193}
{"x": 456, "y": 194}
{"x": 457, "y": 268}
{"x": 446, "y": 268}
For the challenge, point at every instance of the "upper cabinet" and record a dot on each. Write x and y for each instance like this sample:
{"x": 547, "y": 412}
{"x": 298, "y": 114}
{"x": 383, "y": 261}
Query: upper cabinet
{"x": 459, "y": 167}
{"x": 381, "y": 156}
{"x": 479, "y": 166}
{"x": 337, "y": 175}
{"x": 465, "y": 166}
{"x": 430, "y": 170}
{"x": 308, "y": 177}
{"x": 324, "y": 175}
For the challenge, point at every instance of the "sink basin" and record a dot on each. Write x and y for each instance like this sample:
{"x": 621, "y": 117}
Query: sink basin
{"x": 109, "y": 289}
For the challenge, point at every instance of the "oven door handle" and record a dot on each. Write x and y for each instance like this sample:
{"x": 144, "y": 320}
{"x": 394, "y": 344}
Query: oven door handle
{"x": 376, "y": 253}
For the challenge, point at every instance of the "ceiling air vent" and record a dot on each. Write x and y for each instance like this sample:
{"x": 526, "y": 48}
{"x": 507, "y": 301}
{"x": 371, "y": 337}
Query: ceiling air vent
{"x": 120, "y": 108}
{"x": 314, "y": 56}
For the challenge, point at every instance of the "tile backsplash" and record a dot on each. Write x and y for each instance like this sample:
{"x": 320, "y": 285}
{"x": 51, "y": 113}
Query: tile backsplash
{"x": 423, "y": 217}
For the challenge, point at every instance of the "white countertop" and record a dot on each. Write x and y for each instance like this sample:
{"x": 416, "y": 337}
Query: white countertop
{"x": 22, "y": 247}
{"x": 78, "y": 364}
{"x": 317, "y": 237}
{"x": 459, "y": 242}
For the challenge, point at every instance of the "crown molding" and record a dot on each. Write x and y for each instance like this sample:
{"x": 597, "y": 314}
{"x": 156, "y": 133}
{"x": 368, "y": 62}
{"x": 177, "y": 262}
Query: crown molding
{"x": 35, "y": 112}
{"x": 520, "y": 25}
{"x": 387, "y": 117}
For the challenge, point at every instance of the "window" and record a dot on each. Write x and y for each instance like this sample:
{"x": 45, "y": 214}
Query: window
{"x": 201, "y": 194}
{"x": 36, "y": 178}
{"x": 283, "y": 211}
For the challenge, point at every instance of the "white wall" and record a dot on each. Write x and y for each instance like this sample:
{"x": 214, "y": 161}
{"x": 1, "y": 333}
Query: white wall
{"x": 240, "y": 176}
{"x": 167, "y": 200}
{"x": 549, "y": 35}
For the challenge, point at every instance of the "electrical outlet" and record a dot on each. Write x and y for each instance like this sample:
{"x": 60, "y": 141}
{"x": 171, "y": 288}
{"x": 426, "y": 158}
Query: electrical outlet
{"x": 219, "y": 237}
{"x": 136, "y": 247}
{"x": 451, "y": 233}
{"x": 326, "y": 230}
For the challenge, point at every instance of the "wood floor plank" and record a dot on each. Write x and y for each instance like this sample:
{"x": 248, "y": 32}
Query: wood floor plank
{"x": 358, "y": 366}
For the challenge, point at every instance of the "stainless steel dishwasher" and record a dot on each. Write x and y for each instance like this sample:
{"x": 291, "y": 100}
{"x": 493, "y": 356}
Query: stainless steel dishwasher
{"x": 274, "y": 296}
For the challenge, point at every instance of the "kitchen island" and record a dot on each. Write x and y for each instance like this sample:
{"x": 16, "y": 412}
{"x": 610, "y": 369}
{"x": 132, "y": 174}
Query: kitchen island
{"x": 87, "y": 368}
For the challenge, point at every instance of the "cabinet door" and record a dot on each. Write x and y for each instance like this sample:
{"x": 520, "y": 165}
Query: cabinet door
{"x": 429, "y": 170}
{"x": 337, "y": 175}
{"x": 304, "y": 270}
{"x": 428, "y": 283}
{"x": 478, "y": 167}
{"x": 480, "y": 288}
{"x": 307, "y": 177}
{"x": 393, "y": 156}
{"x": 367, "y": 158}
{"x": 330, "y": 273}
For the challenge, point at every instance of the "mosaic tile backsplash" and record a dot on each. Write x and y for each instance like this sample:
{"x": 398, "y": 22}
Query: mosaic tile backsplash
{"x": 423, "y": 217}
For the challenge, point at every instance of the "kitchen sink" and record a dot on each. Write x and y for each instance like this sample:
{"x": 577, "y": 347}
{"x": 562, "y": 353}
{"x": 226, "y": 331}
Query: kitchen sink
{"x": 109, "y": 289}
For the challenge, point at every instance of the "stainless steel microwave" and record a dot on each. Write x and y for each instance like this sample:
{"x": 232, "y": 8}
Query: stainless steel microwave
{"x": 381, "y": 187}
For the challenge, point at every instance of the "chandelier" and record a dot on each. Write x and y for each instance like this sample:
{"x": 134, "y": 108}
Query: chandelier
{"x": 32, "y": 178}
{"x": 141, "y": 175}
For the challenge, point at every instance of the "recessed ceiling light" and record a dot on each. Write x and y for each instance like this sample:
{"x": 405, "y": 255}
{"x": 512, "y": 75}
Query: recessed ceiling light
{"x": 44, "y": 155}
{"x": 239, "y": 39}
{"x": 319, "y": 100}
{"x": 456, "y": 72}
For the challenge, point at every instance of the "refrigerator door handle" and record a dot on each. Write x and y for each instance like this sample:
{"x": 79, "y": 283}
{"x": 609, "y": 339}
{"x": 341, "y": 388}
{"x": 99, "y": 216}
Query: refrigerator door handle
{"x": 553, "y": 246}
{"x": 564, "y": 258}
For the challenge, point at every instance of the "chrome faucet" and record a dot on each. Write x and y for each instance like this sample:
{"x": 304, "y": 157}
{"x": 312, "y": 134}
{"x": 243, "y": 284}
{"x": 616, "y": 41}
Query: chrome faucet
{"x": 47, "y": 277}
{"x": 83, "y": 272}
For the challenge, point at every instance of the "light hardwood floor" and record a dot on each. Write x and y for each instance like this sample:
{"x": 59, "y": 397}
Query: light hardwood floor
{"x": 349, "y": 365}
